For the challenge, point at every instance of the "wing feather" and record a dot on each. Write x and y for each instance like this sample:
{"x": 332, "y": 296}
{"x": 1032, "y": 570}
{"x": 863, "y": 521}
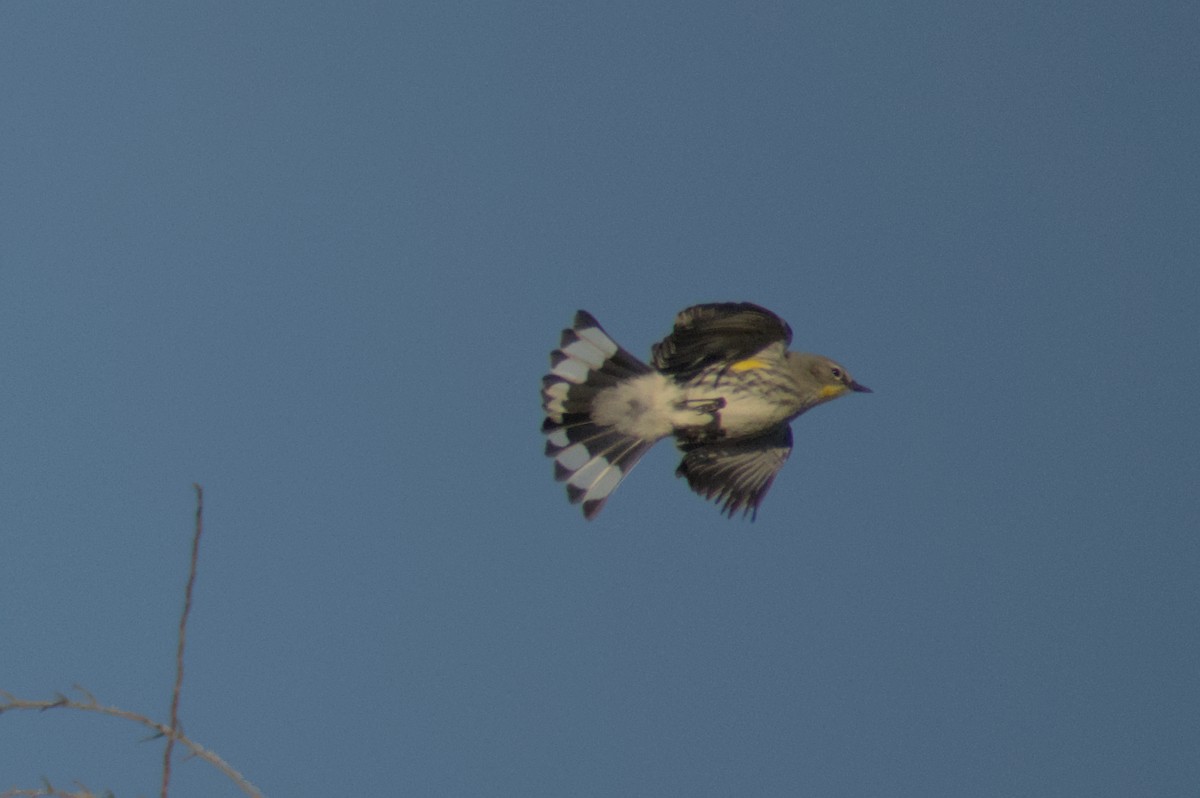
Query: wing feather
{"x": 718, "y": 333}
{"x": 737, "y": 474}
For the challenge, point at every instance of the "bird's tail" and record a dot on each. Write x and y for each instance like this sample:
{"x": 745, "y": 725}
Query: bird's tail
{"x": 592, "y": 458}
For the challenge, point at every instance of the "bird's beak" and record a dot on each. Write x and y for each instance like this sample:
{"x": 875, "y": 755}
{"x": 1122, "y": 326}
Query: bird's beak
{"x": 855, "y": 386}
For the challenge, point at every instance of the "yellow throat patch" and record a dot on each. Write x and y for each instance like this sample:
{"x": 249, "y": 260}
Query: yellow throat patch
{"x": 830, "y": 391}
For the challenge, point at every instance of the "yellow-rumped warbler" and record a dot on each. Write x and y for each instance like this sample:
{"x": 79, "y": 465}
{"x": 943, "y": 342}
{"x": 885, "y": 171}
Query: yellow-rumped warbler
{"x": 723, "y": 383}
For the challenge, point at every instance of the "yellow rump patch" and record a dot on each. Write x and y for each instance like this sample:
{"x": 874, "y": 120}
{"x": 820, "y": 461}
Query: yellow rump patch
{"x": 746, "y": 365}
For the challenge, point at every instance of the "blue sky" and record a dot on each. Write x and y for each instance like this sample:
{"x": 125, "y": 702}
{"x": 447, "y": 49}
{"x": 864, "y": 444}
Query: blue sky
{"x": 314, "y": 256}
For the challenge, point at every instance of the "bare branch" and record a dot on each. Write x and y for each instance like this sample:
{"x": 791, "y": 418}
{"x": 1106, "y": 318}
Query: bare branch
{"x": 89, "y": 704}
{"x": 183, "y": 619}
{"x": 173, "y": 731}
{"x": 48, "y": 790}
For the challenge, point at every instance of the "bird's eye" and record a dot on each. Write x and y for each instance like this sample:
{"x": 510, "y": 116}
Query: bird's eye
{"x": 836, "y": 372}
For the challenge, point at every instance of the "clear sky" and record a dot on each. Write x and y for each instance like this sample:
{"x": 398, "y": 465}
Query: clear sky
{"x": 313, "y": 256}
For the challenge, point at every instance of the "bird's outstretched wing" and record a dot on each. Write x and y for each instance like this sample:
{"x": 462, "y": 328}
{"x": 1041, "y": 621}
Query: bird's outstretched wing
{"x": 736, "y": 473}
{"x": 719, "y": 333}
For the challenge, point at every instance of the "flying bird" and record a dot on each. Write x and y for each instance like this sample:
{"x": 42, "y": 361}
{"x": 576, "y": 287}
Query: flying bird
{"x": 723, "y": 384}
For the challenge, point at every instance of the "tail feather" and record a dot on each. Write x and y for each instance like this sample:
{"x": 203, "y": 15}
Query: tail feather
{"x": 593, "y": 346}
{"x": 583, "y": 442}
{"x": 591, "y": 478}
{"x": 567, "y": 398}
{"x": 590, "y": 458}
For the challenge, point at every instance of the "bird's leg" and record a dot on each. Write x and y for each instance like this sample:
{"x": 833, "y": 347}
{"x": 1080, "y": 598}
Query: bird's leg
{"x": 708, "y": 431}
{"x": 705, "y": 406}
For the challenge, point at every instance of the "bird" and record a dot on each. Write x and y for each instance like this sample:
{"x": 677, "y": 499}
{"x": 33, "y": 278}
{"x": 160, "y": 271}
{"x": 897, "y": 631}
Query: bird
{"x": 723, "y": 384}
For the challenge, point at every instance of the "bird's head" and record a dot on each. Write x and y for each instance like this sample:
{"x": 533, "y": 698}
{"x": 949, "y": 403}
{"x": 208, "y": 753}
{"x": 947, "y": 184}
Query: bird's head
{"x": 827, "y": 378}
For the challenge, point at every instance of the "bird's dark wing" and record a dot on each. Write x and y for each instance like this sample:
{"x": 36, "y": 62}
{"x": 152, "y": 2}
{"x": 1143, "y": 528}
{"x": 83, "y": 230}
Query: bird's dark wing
{"x": 736, "y": 474}
{"x": 719, "y": 333}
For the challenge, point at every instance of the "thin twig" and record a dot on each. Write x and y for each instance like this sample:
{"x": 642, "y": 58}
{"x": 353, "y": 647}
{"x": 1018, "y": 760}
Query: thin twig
{"x": 48, "y": 790}
{"x": 9, "y": 702}
{"x": 183, "y": 619}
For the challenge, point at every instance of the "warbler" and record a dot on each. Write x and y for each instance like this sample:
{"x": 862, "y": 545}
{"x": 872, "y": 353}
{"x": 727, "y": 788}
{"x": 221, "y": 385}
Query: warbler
{"x": 723, "y": 384}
